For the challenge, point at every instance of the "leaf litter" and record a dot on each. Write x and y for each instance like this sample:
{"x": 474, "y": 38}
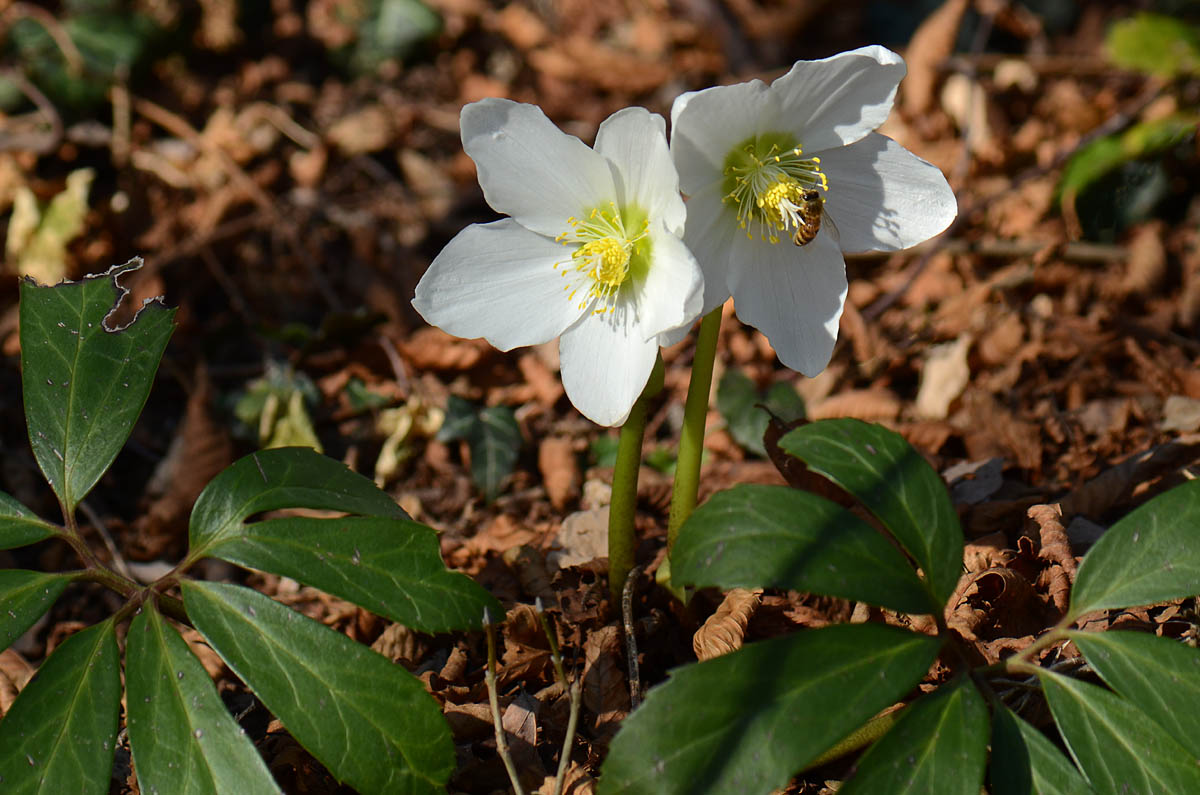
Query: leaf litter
{"x": 289, "y": 204}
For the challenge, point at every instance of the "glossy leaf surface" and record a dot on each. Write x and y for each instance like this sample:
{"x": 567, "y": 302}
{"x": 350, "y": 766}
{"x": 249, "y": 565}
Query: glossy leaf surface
{"x": 1118, "y": 748}
{"x": 1151, "y": 555}
{"x": 391, "y": 567}
{"x": 754, "y": 536}
{"x": 1160, "y": 676}
{"x": 60, "y": 733}
{"x": 19, "y": 525}
{"x": 184, "y": 741}
{"x": 85, "y": 383}
{"x": 937, "y": 747}
{"x": 1025, "y": 762}
{"x": 895, "y": 484}
{"x": 25, "y": 596}
{"x": 369, "y": 721}
{"x": 745, "y": 722}
{"x": 287, "y": 477}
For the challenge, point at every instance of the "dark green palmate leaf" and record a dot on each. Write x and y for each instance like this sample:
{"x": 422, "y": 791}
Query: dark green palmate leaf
{"x": 84, "y": 382}
{"x": 895, "y": 483}
{"x": 1118, "y": 748}
{"x": 388, "y": 566}
{"x": 777, "y": 537}
{"x": 744, "y": 722}
{"x": 1025, "y": 762}
{"x": 493, "y": 437}
{"x": 25, "y": 596}
{"x": 938, "y": 747}
{"x": 287, "y": 477}
{"x": 369, "y": 721}
{"x": 19, "y": 525}
{"x": 60, "y": 733}
{"x": 1161, "y": 676}
{"x": 183, "y": 739}
{"x": 1151, "y": 555}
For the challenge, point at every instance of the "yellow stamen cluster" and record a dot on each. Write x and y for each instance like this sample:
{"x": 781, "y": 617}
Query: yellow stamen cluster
{"x": 767, "y": 187}
{"x": 600, "y": 264}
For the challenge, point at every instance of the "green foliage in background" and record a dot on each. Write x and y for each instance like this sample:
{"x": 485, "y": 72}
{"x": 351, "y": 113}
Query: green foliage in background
{"x": 367, "y": 719}
{"x": 493, "y": 439}
{"x": 747, "y": 411}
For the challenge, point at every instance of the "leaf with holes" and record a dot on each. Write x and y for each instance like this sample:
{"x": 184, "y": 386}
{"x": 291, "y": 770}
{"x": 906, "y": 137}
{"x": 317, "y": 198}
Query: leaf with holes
{"x": 84, "y": 380}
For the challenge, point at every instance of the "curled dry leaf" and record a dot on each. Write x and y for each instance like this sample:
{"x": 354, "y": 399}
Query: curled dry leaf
{"x": 725, "y": 630}
{"x": 400, "y": 644}
{"x": 15, "y": 673}
{"x": 521, "y": 727}
{"x": 999, "y": 601}
{"x": 1056, "y": 547}
{"x": 526, "y": 649}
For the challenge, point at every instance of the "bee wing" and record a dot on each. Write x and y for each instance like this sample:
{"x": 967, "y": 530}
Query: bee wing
{"x": 828, "y": 224}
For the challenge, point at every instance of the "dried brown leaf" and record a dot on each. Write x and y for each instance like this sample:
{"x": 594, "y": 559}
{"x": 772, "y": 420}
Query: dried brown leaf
{"x": 725, "y": 630}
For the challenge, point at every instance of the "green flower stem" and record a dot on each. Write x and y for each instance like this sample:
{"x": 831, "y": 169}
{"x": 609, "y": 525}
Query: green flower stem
{"x": 861, "y": 737}
{"x": 623, "y": 508}
{"x": 691, "y": 438}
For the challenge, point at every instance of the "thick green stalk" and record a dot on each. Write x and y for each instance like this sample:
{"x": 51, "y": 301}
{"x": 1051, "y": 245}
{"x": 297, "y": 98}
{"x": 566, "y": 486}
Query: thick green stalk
{"x": 691, "y": 438}
{"x": 623, "y": 508}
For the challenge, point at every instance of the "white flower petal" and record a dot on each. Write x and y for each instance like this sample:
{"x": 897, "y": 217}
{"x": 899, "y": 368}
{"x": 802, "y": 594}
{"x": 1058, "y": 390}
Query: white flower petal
{"x": 706, "y": 125}
{"x": 883, "y": 197}
{"x": 794, "y": 295}
{"x": 605, "y": 366}
{"x": 837, "y": 100}
{"x": 531, "y": 170}
{"x": 635, "y": 141}
{"x": 672, "y": 293}
{"x": 711, "y": 233}
{"x": 497, "y": 281}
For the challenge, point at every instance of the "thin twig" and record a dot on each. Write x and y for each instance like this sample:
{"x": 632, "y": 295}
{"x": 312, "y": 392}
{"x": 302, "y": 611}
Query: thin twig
{"x": 98, "y": 523}
{"x": 631, "y": 650}
{"x": 38, "y": 142}
{"x": 574, "y": 693}
{"x": 52, "y": 26}
{"x": 489, "y": 677}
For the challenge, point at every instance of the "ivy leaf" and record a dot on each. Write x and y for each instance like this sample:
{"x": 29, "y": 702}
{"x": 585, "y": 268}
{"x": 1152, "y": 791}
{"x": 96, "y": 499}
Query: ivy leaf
{"x": 1150, "y": 555}
{"x": 744, "y": 722}
{"x": 369, "y": 721}
{"x": 1161, "y": 676}
{"x": 183, "y": 739}
{"x": 493, "y": 437}
{"x": 60, "y": 733}
{"x": 941, "y": 732}
{"x": 388, "y": 566}
{"x": 25, "y": 596}
{"x": 85, "y": 382}
{"x": 20, "y": 526}
{"x": 895, "y": 484}
{"x": 1025, "y": 762}
{"x": 753, "y": 536}
{"x": 285, "y": 477}
{"x": 1118, "y": 748}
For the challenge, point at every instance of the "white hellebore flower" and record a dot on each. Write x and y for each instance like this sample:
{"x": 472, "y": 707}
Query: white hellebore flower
{"x": 766, "y": 168}
{"x": 592, "y": 251}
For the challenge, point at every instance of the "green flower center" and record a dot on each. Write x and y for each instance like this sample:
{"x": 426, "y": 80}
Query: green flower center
{"x": 772, "y": 187}
{"x": 612, "y": 250}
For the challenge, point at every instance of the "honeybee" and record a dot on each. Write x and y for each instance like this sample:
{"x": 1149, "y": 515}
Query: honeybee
{"x": 812, "y": 207}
